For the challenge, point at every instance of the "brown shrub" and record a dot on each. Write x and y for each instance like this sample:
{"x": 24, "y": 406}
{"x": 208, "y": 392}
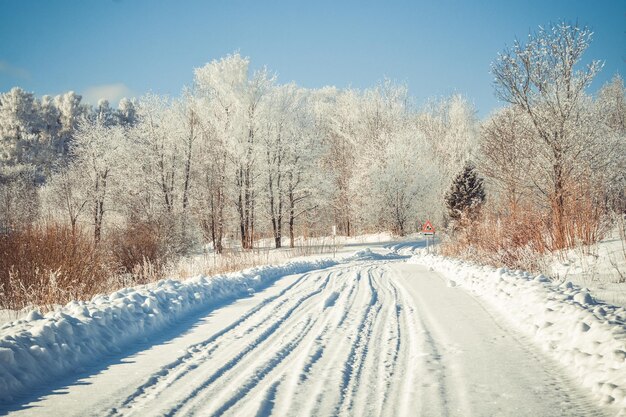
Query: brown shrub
{"x": 519, "y": 236}
{"x": 515, "y": 241}
{"x": 139, "y": 250}
{"x": 49, "y": 264}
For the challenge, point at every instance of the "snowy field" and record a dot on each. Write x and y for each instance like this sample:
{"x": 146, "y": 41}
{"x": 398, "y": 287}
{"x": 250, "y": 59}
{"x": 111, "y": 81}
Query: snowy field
{"x": 385, "y": 331}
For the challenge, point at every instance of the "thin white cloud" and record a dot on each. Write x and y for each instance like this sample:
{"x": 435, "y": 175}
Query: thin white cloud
{"x": 111, "y": 92}
{"x": 12, "y": 71}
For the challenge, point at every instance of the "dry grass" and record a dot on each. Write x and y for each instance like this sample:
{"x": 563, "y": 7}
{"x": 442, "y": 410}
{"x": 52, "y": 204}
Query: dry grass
{"x": 235, "y": 260}
{"x": 519, "y": 237}
{"x": 48, "y": 265}
{"x": 499, "y": 243}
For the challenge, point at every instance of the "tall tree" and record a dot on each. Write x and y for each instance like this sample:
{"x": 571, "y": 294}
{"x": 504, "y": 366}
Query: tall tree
{"x": 96, "y": 151}
{"x": 542, "y": 78}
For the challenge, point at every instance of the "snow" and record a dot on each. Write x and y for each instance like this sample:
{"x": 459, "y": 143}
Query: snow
{"x": 386, "y": 330}
{"x": 601, "y": 268}
{"x": 38, "y": 348}
{"x": 586, "y": 336}
{"x": 12, "y": 315}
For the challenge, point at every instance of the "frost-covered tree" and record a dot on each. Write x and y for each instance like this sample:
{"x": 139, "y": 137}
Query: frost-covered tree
{"x": 543, "y": 78}
{"x": 219, "y": 87}
{"x": 610, "y": 127}
{"x": 18, "y": 125}
{"x": 241, "y": 96}
{"x": 508, "y": 156}
{"x": 96, "y": 159}
{"x": 157, "y": 138}
{"x": 291, "y": 149}
{"x": 20, "y": 155}
{"x": 50, "y": 124}
{"x": 127, "y": 112}
{"x": 71, "y": 111}
{"x": 402, "y": 183}
{"x": 67, "y": 196}
{"x": 104, "y": 113}
{"x": 275, "y": 134}
{"x": 338, "y": 110}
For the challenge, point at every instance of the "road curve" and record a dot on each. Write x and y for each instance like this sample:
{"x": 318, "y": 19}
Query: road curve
{"x": 367, "y": 338}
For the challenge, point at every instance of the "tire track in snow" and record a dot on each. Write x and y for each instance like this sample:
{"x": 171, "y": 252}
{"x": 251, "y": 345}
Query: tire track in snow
{"x": 358, "y": 352}
{"x": 261, "y": 372}
{"x": 395, "y": 363}
{"x": 268, "y": 401}
{"x": 309, "y": 393}
{"x": 200, "y": 352}
{"x": 292, "y": 368}
{"x": 353, "y": 340}
{"x": 253, "y": 345}
{"x": 372, "y": 382}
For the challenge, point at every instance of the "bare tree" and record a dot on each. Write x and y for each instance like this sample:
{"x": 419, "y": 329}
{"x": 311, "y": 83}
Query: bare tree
{"x": 507, "y": 157}
{"x": 541, "y": 77}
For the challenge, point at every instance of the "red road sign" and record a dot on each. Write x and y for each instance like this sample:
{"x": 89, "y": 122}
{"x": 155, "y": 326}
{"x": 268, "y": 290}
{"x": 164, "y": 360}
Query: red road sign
{"x": 428, "y": 228}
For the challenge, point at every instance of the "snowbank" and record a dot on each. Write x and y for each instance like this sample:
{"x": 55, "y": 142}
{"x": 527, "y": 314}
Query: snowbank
{"x": 39, "y": 348}
{"x": 587, "y": 337}
{"x": 368, "y": 255}
{"x": 601, "y": 267}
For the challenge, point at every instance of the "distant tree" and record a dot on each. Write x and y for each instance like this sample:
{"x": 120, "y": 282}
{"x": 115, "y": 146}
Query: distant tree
{"x": 450, "y": 130}
{"x": 70, "y": 113}
{"x": 18, "y": 124}
{"x": 50, "y": 125}
{"x": 20, "y": 154}
{"x": 104, "y": 113}
{"x": 610, "y": 125}
{"x": 338, "y": 110}
{"x": 242, "y": 97}
{"x": 466, "y": 196}
{"x": 127, "y": 112}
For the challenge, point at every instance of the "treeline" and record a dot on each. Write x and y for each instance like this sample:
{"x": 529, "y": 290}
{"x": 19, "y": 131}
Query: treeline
{"x": 95, "y": 195}
{"x": 237, "y": 157}
{"x": 36, "y": 139}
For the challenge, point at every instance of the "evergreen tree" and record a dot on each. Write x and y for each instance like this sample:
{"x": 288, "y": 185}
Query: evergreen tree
{"x": 466, "y": 195}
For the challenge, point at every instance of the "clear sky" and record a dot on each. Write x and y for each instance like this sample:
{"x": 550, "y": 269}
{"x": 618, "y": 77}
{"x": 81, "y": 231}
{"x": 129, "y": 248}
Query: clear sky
{"x": 129, "y": 47}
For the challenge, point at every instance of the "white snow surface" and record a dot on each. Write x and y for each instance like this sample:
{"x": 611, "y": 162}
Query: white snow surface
{"x": 584, "y": 335}
{"x": 39, "y": 348}
{"x": 386, "y": 331}
{"x": 600, "y": 267}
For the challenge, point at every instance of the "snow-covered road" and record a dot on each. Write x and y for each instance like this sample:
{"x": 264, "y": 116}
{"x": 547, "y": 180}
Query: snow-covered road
{"x": 369, "y": 337}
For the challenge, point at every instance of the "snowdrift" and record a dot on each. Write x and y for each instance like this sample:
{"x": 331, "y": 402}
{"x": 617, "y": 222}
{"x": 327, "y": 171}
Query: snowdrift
{"x": 587, "y": 337}
{"x": 39, "y": 348}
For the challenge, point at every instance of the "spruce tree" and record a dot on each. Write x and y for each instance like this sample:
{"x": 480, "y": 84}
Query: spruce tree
{"x": 466, "y": 195}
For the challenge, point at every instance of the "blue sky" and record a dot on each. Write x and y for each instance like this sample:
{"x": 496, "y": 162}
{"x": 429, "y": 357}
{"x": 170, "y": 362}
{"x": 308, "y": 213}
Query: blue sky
{"x": 130, "y": 47}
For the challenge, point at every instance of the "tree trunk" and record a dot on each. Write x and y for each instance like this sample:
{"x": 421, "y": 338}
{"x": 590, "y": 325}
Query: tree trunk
{"x": 558, "y": 201}
{"x": 192, "y": 122}
{"x": 291, "y": 219}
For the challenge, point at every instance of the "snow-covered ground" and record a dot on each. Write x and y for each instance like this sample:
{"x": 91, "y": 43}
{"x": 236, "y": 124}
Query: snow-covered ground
{"x": 367, "y": 333}
{"x": 586, "y": 336}
{"x": 601, "y": 268}
{"x": 37, "y": 348}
